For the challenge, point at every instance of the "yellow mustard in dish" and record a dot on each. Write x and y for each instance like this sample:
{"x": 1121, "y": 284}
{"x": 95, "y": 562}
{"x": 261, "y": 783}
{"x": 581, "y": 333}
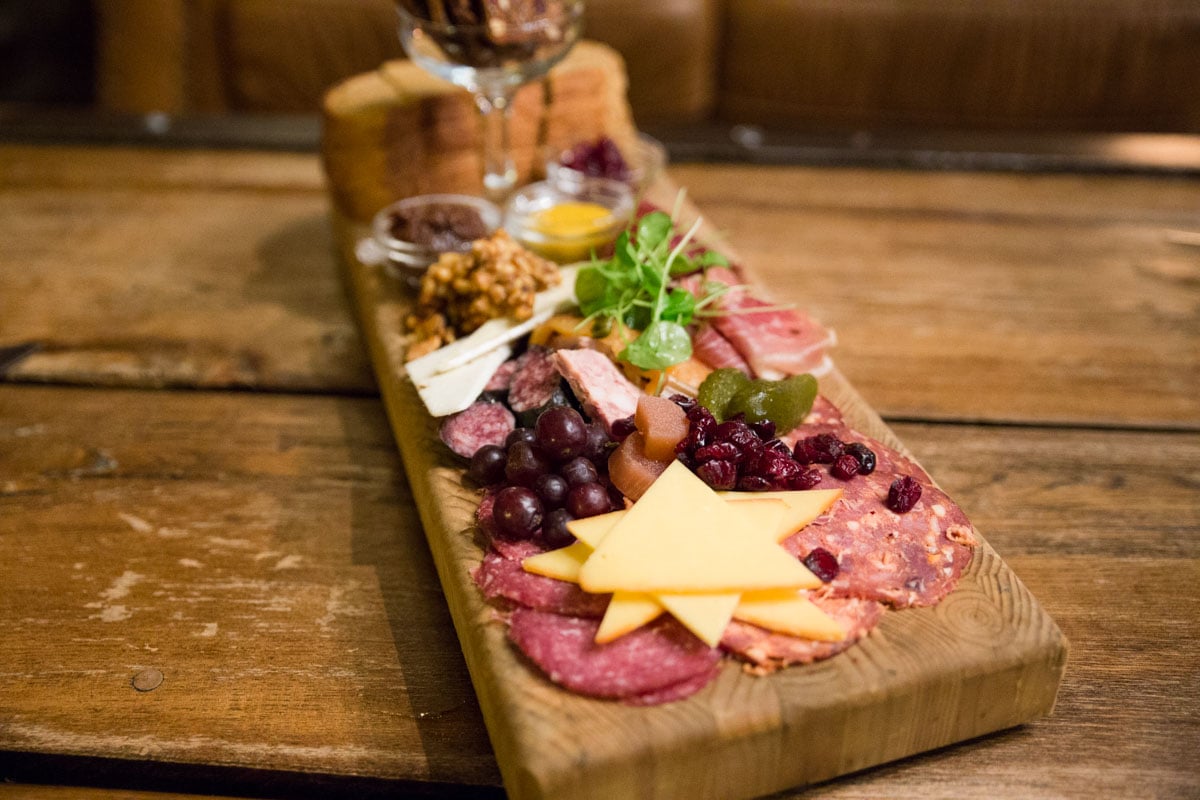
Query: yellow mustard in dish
{"x": 569, "y": 231}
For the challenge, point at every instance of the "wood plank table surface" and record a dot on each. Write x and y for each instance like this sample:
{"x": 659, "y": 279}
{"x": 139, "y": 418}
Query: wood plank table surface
{"x": 214, "y": 578}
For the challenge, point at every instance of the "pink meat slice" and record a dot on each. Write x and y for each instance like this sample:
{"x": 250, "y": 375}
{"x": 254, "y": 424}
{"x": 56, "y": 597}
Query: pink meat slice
{"x": 502, "y": 377}
{"x": 676, "y": 691}
{"x": 766, "y": 651}
{"x": 651, "y": 659}
{"x": 716, "y": 351}
{"x": 501, "y": 577}
{"x": 909, "y": 559}
{"x": 534, "y": 381}
{"x": 603, "y": 390}
{"x": 776, "y": 343}
{"x": 475, "y": 426}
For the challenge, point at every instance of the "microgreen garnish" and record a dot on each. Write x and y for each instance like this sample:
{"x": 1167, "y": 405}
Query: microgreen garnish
{"x": 632, "y": 291}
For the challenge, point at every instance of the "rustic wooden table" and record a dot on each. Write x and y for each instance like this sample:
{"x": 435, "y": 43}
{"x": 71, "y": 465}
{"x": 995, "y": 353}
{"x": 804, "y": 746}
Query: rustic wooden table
{"x": 214, "y": 577}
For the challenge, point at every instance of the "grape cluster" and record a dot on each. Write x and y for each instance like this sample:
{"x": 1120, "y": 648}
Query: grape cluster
{"x": 547, "y": 476}
{"x": 599, "y": 159}
{"x": 736, "y": 455}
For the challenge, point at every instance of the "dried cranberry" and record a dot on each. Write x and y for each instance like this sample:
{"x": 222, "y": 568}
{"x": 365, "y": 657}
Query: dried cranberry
{"x": 845, "y": 468}
{"x": 864, "y": 455}
{"x": 737, "y": 432}
{"x": 683, "y": 401}
{"x": 779, "y": 446}
{"x": 723, "y": 451}
{"x": 903, "y": 494}
{"x": 822, "y": 563}
{"x": 776, "y": 468}
{"x": 622, "y": 428}
{"x": 802, "y": 481}
{"x": 718, "y": 474}
{"x": 765, "y": 429}
{"x": 824, "y": 448}
{"x": 753, "y": 483}
{"x": 702, "y": 424}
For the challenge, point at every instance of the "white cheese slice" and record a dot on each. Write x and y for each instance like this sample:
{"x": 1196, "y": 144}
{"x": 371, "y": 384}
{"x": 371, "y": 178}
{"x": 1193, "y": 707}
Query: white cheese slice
{"x": 451, "y": 392}
{"x": 450, "y": 378}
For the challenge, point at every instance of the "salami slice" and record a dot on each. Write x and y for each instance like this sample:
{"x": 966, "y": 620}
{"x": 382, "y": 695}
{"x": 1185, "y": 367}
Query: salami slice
{"x": 475, "y": 426}
{"x": 676, "y": 691}
{"x": 501, "y": 577}
{"x": 767, "y": 651}
{"x": 535, "y": 380}
{"x": 650, "y": 659}
{"x": 502, "y": 378}
{"x": 909, "y": 559}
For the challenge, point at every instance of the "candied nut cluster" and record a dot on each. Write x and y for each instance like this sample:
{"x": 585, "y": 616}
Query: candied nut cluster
{"x": 461, "y": 291}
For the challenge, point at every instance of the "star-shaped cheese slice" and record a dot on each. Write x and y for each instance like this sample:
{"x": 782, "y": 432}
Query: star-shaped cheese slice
{"x": 763, "y": 518}
{"x": 680, "y": 537}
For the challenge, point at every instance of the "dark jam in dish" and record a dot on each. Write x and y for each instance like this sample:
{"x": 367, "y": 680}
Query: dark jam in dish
{"x": 438, "y": 226}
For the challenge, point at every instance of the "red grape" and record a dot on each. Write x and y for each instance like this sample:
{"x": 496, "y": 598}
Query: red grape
{"x": 561, "y": 433}
{"x": 588, "y": 500}
{"x": 517, "y": 511}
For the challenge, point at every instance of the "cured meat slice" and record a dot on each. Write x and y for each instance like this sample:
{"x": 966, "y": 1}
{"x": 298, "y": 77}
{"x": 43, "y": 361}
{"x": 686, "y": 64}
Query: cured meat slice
{"x": 650, "y": 659}
{"x": 909, "y": 559}
{"x": 676, "y": 691}
{"x": 535, "y": 380}
{"x": 776, "y": 343}
{"x": 502, "y": 378}
{"x": 716, "y": 351}
{"x": 475, "y": 426}
{"x": 501, "y": 577}
{"x": 605, "y": 393}
{"x": 766, "y": 651}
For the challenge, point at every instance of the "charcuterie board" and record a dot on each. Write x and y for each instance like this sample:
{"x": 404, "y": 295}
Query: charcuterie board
{"x": 984, "y": 659}
{"x": 987, "y": 657}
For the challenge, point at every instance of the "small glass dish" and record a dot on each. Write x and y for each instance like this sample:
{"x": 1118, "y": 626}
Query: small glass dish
{"x": 568, "y": 223}
{"x": 409, "y": 235}
{"x": 644, "y": 163}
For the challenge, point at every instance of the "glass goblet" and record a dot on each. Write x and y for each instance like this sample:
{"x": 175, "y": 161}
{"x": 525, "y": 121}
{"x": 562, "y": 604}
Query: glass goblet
{"x": 491, "y": 57}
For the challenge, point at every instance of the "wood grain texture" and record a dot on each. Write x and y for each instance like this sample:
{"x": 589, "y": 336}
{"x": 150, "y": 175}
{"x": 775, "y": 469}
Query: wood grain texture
{"x": 1123, "y": 724}
{"x": 1023, "y": 298}
{"x": 986, "y": 658}
{"x": 199, "y": 270}
{"x": 262, "y": 553}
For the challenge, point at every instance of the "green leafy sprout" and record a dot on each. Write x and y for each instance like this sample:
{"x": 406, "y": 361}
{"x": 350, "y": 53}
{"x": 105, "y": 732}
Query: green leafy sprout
{"x": 632, "y": 291}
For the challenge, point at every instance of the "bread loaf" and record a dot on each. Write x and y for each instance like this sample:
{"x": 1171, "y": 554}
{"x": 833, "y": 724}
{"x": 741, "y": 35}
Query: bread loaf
{"x": 398, "y": 131}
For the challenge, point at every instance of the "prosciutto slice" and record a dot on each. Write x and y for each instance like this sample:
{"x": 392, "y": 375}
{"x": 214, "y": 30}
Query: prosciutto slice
{"x": 775, "y": 343}
{"x": 716, "y": 351}
{"x": 771, "y": 343}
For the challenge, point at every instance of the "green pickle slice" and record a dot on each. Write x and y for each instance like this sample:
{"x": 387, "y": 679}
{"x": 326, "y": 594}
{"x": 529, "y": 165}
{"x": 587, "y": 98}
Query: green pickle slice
{"x": 719, "y": 388}
{"x": 727, "y": 392}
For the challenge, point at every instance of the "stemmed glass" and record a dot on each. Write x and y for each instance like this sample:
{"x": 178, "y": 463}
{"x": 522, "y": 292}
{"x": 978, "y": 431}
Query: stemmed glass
{"x": 490, "y": 48}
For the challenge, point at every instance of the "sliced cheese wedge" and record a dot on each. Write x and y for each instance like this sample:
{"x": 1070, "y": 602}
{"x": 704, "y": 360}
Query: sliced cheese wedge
{"x": 627, "y": 611}
{"x": 681, "y": 537}
{"x": 802, "y": 507}
{"x": 592, "y": 530}
{"x": 706, "y": 615}
{"x": 562, "y": 564}
{"x": 788, "y": 612}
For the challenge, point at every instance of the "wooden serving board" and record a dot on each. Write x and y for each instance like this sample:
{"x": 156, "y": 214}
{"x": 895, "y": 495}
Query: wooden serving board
{"x": 988, "y": 657}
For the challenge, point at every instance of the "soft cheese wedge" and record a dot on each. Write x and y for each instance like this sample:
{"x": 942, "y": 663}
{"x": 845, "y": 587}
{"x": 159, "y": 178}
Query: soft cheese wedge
{"x": 680, "y": 537}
